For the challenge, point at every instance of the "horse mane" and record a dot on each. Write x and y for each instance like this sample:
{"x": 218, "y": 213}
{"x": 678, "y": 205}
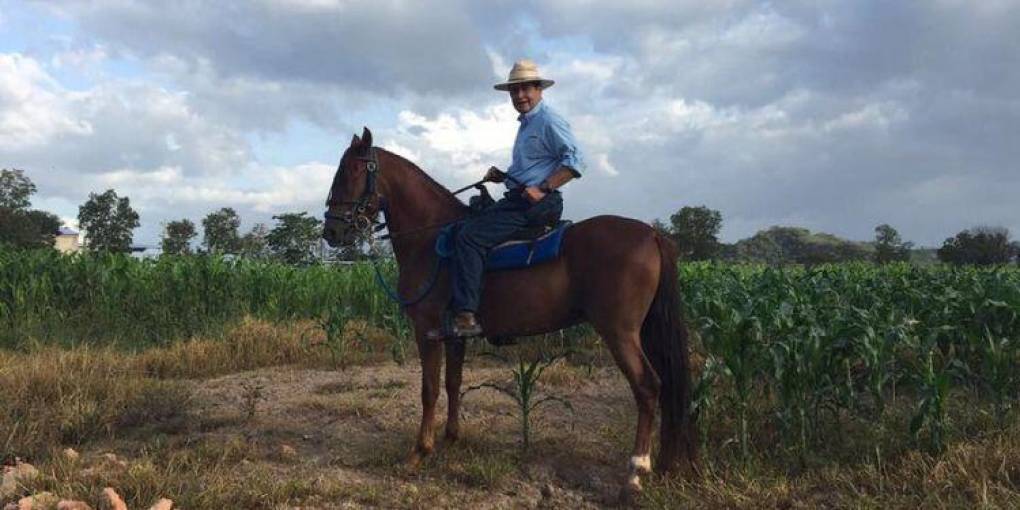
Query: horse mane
{"x": 432, "y": 184}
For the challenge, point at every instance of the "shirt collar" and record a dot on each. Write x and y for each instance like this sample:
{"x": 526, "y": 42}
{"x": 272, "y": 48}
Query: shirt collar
{"x": 532, "y": 112}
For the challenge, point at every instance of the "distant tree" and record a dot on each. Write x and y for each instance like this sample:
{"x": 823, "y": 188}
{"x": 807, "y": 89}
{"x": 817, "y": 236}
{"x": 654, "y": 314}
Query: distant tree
{"x": 108, "y": 221}
{"x": 779, "y": 245}
{"x": 662, "y": 228}
{"x": 889, "y": 247}
{"x": 696, "y": 231}
{"x": 21, "y": 227}
{"x": 177, "y": 236}
{"x": 979, "y": 246}
{"x": 15, "y": 189}
{"x": 295, "y": 238}
{"x": 760, "y": 248}
{"x": 254, "y": 244}
{"x": 27, "y": 229}
{"x": 219, "y": 231}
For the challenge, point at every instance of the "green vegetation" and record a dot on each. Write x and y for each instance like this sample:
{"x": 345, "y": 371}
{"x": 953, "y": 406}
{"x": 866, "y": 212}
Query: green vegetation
{"x": 856, "y": 376}
{"x": 177, "y": 236}
{"x": 110, "y": 298}
{"x": 21, "y": 227}
{"x": 219, "y": 231}
{"x": 522, "y": 389}
{"x": 109, "y": 221}
{"x": 826, "y": 346}
{"x": 981, "y": 246}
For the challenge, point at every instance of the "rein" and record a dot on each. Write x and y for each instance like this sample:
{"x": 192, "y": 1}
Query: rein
{"x": 392, "y": 293}
{"x": 365, "y": 223}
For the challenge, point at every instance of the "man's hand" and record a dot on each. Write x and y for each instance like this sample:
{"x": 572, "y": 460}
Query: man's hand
{"x": 533, "y": 194}
{"x": 495, "y": 175}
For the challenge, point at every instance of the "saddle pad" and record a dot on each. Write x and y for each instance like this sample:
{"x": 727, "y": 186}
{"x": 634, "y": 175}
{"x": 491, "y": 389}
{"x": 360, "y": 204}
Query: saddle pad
{"x": 512, "y": 254}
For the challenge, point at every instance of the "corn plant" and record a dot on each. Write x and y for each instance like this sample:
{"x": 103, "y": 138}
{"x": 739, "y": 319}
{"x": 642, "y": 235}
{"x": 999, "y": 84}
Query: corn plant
{"x": 998, "y": 373}
{"x": 523, "y": 390}
{"x": 734, "y": 338}
{"x": 333, "y": 324}
{"x": 400, "y": 330}
{"x": 933, "y": 378}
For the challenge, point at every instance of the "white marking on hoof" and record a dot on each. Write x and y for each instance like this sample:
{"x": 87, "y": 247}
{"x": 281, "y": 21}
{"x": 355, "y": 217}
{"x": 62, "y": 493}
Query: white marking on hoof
{"x": 634, "y": 483}
{"x": 641, "y": 464}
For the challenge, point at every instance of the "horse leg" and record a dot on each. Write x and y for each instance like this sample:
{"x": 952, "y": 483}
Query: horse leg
{"x": 430, "y": 352}
{"x": 644, "y": 383}
{"x": 454, "y": 368}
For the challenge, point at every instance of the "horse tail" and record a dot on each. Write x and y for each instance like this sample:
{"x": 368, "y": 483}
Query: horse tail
{"x": 664, "y": 342}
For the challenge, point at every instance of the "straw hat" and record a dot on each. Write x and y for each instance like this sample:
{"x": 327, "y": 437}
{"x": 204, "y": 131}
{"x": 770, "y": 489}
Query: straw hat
{"x": 524, "y": 71}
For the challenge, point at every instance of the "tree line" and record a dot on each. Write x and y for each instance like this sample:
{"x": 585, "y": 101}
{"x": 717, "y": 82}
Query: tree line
{"x": 109, "y": 222}
{"x": 695, "y": 230}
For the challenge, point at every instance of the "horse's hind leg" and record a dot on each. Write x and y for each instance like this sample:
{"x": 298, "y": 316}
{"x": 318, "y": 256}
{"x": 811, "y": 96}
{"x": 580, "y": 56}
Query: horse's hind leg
{"x": 430, "y": 353}
{"x": 644, "y": 383}
{"x": 454, "y": 369}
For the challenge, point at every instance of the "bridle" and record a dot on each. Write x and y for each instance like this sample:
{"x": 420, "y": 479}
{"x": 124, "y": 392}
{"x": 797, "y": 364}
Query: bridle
{"x": 360, "y": 215}
{"x": 363, "y": 220}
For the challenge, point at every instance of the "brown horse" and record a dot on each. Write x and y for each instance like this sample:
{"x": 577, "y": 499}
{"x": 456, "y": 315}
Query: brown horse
{"x": 616, "y": 273}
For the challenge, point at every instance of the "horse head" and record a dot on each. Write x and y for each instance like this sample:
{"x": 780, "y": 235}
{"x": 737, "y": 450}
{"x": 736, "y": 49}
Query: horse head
{"x": 354, "y": 202}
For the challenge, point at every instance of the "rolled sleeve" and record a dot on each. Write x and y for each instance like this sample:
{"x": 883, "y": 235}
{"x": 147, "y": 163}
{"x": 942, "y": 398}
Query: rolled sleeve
{"x": 561, "y": 141}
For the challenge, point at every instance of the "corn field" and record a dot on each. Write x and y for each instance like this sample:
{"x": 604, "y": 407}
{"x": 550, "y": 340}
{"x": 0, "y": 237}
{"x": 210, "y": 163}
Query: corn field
{"x": 115, "y": 299}
{"x": 838, "y": 342}
{"x": 787, "y": 350}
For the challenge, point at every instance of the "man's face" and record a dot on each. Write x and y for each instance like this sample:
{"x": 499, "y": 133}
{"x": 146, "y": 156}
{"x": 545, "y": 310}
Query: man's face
{"x": 525, "y": 96}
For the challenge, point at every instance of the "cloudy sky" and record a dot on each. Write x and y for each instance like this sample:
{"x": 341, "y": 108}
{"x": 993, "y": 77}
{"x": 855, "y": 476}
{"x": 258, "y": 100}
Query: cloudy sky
{"x": 832, "y": 115}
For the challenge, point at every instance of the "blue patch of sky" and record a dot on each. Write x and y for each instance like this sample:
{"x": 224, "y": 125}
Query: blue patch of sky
{"x": 304, "y": 142}
{"x": 540, "y": 45}
{"x": 38, "y": 33}
{"x": 29, "y": 29}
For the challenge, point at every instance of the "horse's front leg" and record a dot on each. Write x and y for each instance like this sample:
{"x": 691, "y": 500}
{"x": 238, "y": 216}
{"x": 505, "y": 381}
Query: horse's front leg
{"x": 430, "y": 352}
{"x": 454, "y": 369}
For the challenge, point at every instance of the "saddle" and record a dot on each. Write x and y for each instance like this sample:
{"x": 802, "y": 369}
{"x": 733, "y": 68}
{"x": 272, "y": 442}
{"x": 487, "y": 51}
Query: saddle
{"x": 528, "y": 247}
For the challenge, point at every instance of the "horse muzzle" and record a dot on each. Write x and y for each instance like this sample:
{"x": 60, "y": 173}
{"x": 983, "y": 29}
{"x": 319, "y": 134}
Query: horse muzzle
{"x": 338, "y": 235}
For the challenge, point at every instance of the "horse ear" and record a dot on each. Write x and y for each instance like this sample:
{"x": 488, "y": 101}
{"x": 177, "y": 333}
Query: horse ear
{"x": 355, "y": 141}
{"x": 366, "y": 137}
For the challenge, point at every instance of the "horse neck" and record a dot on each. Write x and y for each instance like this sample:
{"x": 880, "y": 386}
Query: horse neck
{"x": 414, "y": 202}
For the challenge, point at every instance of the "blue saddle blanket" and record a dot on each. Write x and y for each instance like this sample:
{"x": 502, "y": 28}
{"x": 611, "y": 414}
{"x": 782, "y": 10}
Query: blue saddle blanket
{"x": 512, "y": 254}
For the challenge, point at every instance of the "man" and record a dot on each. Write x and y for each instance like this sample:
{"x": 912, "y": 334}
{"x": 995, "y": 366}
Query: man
{"x": 545, "y": 157}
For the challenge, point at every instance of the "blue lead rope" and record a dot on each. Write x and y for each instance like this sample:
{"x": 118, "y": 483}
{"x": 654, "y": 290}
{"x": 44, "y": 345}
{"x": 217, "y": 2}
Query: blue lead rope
{"x": 395, "y": 296}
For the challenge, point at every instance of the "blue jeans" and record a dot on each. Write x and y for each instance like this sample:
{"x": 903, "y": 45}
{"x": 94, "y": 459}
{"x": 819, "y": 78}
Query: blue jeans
{"x": 478, "y": 234}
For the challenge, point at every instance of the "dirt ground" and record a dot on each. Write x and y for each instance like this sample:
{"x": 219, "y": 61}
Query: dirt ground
{"x": 350, "y": 431}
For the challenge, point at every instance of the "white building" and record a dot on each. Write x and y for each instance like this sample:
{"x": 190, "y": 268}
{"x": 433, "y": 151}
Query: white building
{"x": 66, "y": 240}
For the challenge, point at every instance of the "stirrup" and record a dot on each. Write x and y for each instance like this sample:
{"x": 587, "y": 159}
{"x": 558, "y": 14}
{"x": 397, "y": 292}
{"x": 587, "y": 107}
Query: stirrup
{"x": 448, "y": 331}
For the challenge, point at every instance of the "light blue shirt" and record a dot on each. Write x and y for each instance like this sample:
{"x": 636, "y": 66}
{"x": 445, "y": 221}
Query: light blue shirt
{"x": 544, "y": 143}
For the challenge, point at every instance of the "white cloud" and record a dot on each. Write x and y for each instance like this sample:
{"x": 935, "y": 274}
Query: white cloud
{"x": 79, "y": 58}
{"x": 461, "y": 142}
{"x": 33, "y": 108}
{"x": 879, "y": 115}
{"x": 771, "y": 112}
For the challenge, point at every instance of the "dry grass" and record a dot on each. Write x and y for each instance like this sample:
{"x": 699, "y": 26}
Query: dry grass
{"x": 54, "y": 396}
{"x": 251, "y": 344}
{"x": 68, "y": 396}
{"x": 187, "y": 439}
{"x": 976, "y": 474}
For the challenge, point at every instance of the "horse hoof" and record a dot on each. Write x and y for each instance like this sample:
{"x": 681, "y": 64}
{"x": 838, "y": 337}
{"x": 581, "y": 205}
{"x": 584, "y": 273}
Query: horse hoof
{"x": 451, "y": 436}
{"x": 414, "y": 461}
{"x": 629, "y": 493}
